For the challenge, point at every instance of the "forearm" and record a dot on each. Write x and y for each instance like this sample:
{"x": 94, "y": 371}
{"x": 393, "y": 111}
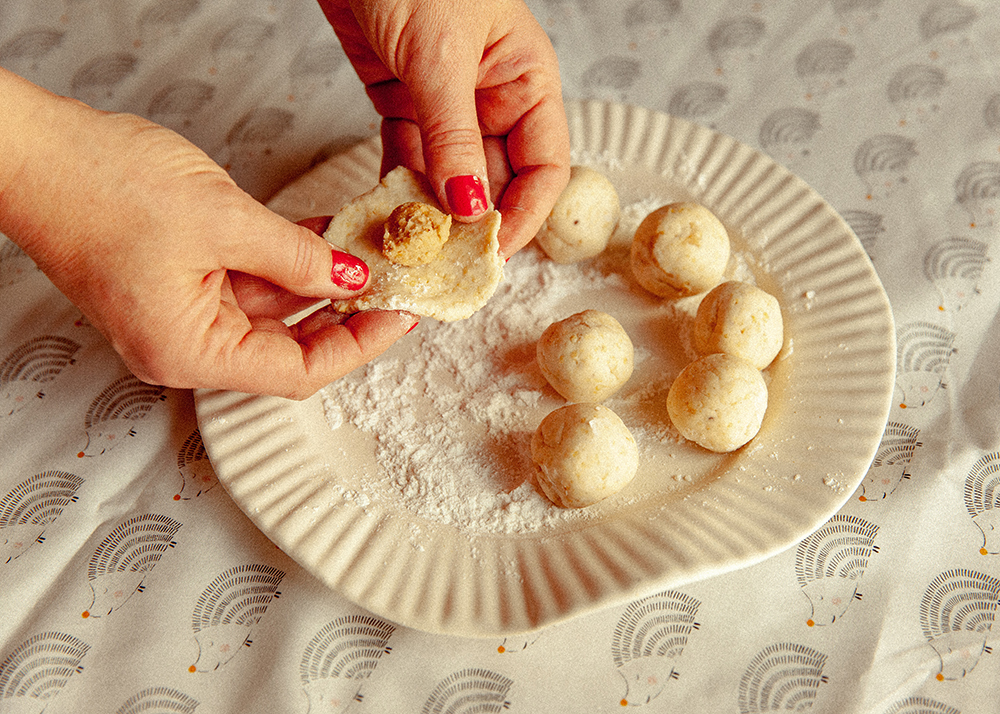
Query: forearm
{"x": 48, "y": 167}
{"x": 24, "y": 110}
{"x": 75, "y": 182}
{"x": 37, "y": 132}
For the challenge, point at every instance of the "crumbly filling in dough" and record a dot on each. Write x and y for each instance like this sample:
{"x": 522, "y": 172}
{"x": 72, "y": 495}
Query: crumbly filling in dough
{"x": 415, "y": 233}
{"x": 451, "y": 286}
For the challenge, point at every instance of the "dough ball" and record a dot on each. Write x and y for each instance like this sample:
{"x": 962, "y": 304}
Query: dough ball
{"x": 587, "y": 357}
{"x": 415, "y": 233}
{"x": 718, "y": 402}
{"x": 741, "y": 320}
{"x": 680, "y": 249}
{"x": 584, "y": 453}
{"x": 583, "y": 219}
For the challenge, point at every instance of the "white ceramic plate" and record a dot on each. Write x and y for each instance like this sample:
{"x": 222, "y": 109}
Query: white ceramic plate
{"x": 830, "y": 393}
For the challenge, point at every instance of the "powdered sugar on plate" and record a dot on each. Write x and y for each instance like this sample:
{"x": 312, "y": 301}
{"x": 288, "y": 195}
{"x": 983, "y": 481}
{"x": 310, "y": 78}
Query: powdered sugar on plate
{"x": 452, "y": 407}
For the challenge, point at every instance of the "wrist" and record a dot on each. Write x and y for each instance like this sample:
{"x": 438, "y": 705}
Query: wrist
{"x": 39, "y": 134}
{"x": 72, "y": 194}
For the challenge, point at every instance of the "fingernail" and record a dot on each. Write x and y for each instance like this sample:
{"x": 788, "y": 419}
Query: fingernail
{"x": 348, "y": 271}
{"x": 466, "y": 196}
{"x": 414, "y": 318}
{"x": 317, "y": 224}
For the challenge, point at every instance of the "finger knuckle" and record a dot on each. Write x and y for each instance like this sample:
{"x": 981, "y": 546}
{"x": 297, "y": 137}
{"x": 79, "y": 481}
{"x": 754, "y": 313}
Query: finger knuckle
{"x": 449, "y": 138}
{"x": 304, "y": 261}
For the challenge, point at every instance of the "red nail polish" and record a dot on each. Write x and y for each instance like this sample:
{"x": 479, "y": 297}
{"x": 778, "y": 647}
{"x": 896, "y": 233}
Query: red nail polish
{"x": 413, "y": 327}
{"x": 466, "y": 195}
{"x": 348, "y": 271}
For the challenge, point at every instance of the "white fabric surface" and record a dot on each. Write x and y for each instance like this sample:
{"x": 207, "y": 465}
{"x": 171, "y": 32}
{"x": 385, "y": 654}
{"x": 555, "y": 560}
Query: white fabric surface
{"x": 889, "y": 108}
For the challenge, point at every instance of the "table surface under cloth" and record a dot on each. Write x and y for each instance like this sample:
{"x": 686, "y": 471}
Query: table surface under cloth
{"x": 839, "y": 91}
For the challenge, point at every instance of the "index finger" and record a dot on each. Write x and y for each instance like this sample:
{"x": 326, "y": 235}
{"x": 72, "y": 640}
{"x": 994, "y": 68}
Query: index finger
{"x": 323, "y": 347}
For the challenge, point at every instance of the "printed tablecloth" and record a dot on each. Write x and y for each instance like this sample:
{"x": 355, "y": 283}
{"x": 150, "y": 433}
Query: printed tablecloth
{"x": 132, "y": 582}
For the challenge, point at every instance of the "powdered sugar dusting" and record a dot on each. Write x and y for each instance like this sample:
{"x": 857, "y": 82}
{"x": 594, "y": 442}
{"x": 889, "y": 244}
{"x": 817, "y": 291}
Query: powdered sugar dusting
{"x": 452, "y": 412}
{"x": 452, "y": 407}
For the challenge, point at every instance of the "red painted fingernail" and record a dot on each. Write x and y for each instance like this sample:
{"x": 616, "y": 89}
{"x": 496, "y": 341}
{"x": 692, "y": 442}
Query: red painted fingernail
{"x": 348, "y": 271}
{"x": 413, "y": 326}
{"x": 466, "y": 195}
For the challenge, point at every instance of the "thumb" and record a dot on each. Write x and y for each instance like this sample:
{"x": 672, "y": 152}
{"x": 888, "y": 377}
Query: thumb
{"x": 297, "y": 259}
{"x": 444, "y": 104}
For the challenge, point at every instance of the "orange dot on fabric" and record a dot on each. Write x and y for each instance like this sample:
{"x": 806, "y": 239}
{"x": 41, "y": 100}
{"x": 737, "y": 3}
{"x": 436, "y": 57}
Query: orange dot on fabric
{"x": 85, "y": 614}
{"x": 192, "y": 668}
{"x": 810, "y": 623}
{"x": 501, "y": 649}
{"x": 177, "y": 497}
{"x": 940, "y": 677}
{"x": 862, "y": 499}
{"x": 983, "y": 551}
{"x": 80, "y": 455}
{"x": 624, "y": 702}
{"x": 902, "y": 405}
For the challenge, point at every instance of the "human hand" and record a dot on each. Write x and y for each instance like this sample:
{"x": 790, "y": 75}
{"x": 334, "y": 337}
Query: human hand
{"x": 465, "y": 90}
{"x": 186, "y": 275}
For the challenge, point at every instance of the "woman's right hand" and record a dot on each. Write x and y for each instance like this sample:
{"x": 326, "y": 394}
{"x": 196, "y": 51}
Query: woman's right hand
{"x": 470, "y": 95}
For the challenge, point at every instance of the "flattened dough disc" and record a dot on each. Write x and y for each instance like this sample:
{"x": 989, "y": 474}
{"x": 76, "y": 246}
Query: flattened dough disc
{"x": 459, "y": 281}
